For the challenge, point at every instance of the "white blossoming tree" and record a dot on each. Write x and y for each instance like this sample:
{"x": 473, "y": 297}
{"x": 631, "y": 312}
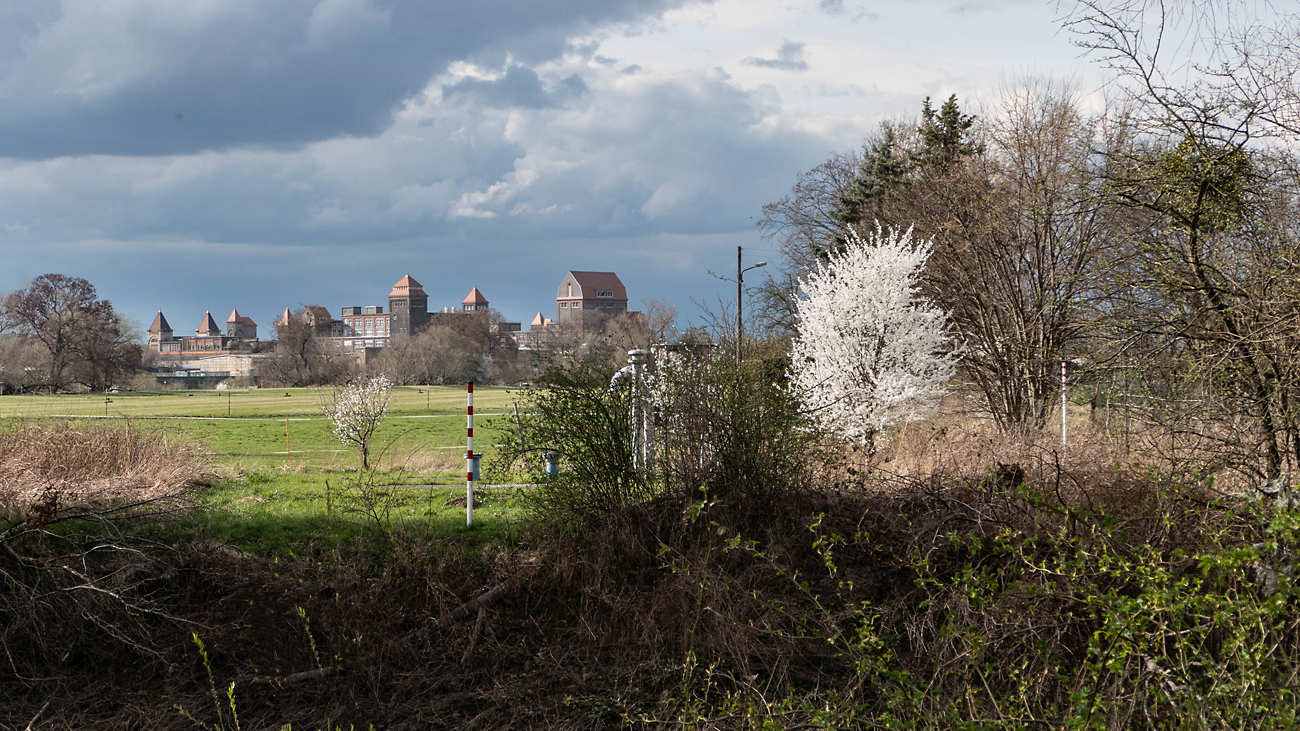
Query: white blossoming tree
{"x": 356, "y": 412}
{"x": 872, "y": 351}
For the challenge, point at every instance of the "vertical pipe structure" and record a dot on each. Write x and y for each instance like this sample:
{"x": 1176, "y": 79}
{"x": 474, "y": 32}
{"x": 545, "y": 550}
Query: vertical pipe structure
{"x": 469, "y": 455}
{"x": 640, "y": 414}
{"x": 1063, "y": 404}
{"x": 740, "y": 278}
{"x": 288, "y": 454}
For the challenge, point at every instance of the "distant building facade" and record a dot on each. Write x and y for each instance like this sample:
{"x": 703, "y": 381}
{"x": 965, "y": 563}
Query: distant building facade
{"x": 586, "y": 299}
{"x": 209, "y": 356}
{"x": 409, "y": 306}
{"x": 238, "y": 326}
{"x": 208, "y": 339}
{"x": 365, "y": 327}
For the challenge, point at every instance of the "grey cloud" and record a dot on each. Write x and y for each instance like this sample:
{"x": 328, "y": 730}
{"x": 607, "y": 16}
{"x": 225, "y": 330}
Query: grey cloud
{"x": 655, "y": 159}
{"x": 788, "y": 58}
{"x": 144, "y": 78}
{"x": 519, "y": 87}
{"x": 832, "y": 7}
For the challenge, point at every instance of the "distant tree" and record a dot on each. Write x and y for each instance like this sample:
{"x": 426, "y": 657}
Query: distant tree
{"x": 356, "y": 413}
{"x": 945, "y": 135}
{"x": 436, "y": 356}
{"x": 871, "y": 351}
{"x": 640, "y": 330}
{"x": 22, "y": 364}
{"x": 108, "y": 355}
{"x": 84, "y": 338}
{"x": 305, "y": 356}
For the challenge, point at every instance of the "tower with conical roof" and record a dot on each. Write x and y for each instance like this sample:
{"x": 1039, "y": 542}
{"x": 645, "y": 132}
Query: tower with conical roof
{"x": 159, "y": 331}
{"x": 208, "y": 327}
{"x": 409, "y": 306}
{"x": 474, "y": 301}
{"x": 238, "y": 326}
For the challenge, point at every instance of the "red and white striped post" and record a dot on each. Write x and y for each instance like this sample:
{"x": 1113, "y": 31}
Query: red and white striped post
{"x": 1063, "y": 404}
{"x": 469, "y": 457}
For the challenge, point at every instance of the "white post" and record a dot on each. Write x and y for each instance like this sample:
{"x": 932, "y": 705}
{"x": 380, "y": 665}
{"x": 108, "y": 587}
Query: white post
{"x": 640, "y": 415}
{"x": 469, "y": 457}
{"x": 1063, "y": 401}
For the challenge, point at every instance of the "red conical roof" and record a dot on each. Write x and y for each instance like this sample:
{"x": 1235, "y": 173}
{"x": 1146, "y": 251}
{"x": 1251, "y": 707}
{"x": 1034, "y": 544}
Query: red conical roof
{"x": 208, "y": 325}
{"x": 160, "y": 324}
{"x": 474, "y": 297}
{"x": 405, "y": 287}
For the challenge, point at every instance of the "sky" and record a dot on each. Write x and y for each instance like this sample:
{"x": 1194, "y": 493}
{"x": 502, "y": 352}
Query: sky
{"x": 266, "y": 154}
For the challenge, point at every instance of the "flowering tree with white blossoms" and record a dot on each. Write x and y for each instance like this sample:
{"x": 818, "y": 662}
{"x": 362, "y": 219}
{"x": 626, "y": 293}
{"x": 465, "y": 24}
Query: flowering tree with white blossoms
{"x": 872, "y": 351}
{"x": 356, "y": 413}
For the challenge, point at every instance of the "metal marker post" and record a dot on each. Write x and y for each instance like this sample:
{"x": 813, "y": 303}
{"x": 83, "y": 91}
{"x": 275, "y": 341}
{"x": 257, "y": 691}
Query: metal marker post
{"x": 469, "y": 456}
{"x": 1062, "y": 404}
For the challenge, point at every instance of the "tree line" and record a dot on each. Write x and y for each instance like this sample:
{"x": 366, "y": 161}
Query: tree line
{"x": 1152, "y": 244}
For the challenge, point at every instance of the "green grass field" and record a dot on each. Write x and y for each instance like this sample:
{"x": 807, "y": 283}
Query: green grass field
{"x": 274, "y": 501}
{"x": 245, "y": 429}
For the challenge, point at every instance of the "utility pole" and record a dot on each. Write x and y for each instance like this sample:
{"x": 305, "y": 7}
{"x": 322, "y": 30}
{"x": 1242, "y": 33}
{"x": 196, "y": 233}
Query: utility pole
{"x": 740, "y": 297}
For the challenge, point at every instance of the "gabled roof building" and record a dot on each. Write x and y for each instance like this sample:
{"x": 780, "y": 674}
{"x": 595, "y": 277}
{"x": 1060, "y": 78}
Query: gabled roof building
{"x": 238, "y": 326}
{"x": 584, "y": 299}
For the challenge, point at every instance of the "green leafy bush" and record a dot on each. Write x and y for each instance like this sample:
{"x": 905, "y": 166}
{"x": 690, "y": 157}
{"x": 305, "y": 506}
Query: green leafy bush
{"x": 572, "y": 414}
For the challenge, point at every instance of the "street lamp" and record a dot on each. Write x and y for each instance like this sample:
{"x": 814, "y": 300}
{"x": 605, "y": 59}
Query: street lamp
{"x": 740, "y": 296}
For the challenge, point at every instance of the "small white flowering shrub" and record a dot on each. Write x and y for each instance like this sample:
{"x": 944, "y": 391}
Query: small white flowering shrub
{"x": 872, "y": 351}
{"x": 356, "y": 412}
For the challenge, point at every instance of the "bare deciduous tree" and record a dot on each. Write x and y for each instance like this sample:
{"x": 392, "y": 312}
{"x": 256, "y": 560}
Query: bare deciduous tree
{"x": 84, "y": 339}
{"x": 1014, "y": 208}
{"x": 305, "y": 356}
{"x": 436, "y": 356}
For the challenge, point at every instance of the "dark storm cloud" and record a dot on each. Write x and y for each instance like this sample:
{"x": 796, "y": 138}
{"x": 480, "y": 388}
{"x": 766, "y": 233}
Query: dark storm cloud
{"x": 147, "y": 77}
{"x": 788, "y": 58}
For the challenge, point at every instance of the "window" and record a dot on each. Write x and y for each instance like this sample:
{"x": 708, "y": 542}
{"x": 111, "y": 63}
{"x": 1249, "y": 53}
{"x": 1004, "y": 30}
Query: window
{"x": 604, "y": 293}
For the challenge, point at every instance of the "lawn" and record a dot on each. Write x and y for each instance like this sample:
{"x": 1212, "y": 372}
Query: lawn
{"x": 251, "y": 430}
{"x": 275, "y": 498}
{"x": 278, "y": 514}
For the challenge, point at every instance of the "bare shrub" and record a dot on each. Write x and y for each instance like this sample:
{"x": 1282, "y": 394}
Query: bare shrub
{"x": 65, "y": 466}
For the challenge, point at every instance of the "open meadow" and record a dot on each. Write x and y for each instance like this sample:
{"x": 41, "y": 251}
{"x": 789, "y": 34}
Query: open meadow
{"x": 280, "y": 483}
{"x": 245, "y": 429}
